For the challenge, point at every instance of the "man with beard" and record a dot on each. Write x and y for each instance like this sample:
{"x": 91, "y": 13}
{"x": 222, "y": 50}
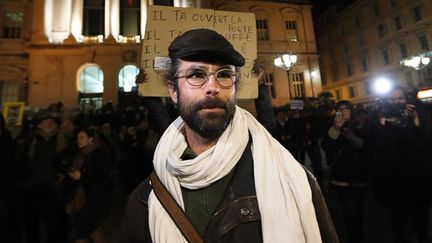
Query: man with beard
{"x": 233, "y": 181}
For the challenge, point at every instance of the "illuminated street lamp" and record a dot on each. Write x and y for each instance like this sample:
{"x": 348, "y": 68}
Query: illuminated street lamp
{"x": 419, "y": 61}
{"x": 286, "y": 62}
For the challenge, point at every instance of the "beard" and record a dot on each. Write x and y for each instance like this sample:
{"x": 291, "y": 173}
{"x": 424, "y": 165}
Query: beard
{"x": 207, "y": 124}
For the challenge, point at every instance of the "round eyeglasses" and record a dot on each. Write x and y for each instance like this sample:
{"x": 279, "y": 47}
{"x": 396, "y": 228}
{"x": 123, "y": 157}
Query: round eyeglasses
{"x": 197, "y": 77}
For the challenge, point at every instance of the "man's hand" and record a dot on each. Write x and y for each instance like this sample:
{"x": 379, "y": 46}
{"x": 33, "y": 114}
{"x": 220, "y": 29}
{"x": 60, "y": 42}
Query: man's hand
{"x": 413, "y": 115}
{"x": 75, "y": 175}
{"x": 339, "y": 121}
{"x": 141, "y": 77}
{"x": 258, "y": 70}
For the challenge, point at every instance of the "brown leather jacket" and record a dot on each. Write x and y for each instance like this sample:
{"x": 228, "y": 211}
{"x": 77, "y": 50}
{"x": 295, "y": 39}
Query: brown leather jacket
{"x": 236, "y": 219}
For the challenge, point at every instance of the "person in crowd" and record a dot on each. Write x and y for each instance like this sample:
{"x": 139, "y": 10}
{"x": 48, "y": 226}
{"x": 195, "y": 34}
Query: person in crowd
{"x": 310, "y": 143}
{"x": 94, "y": 174}
{"x": 159, "y": 115}
{"x": 263, "y": 105}
{"x": 402, "y": 168}
{"x": 108, "y": 139}
{"x": 345, "y": 145}
{"x": 296, "y": 128}
{"x": 233, "y": 181}
{"x": 282, "y": 133}
{"x": 325, "y": 120}
{"x": 42, "y": 177}
{"x": 68, "y": 130}
{"x": 7, "y": 182}
{"x": 134, "y": 159}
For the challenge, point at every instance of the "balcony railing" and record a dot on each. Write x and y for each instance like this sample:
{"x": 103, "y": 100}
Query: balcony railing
{"x": 129, "y": 39}
{"x": 100, "y": 39}
{"x": 91, "y": 39}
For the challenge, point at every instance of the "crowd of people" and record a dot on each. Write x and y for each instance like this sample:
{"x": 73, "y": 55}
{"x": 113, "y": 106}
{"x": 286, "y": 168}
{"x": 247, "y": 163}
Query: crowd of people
{"x": 59, "y": 171}
{"x": 384, "y": 149}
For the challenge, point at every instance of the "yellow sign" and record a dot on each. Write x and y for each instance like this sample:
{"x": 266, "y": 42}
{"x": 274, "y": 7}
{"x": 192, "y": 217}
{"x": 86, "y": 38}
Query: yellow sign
{"x": 166, "y": 23}
{"x": 13, "y": 113}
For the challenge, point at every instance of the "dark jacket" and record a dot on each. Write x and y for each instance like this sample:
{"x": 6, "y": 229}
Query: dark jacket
{"x": 348, "y": 163}
{"x": 236, "y": 219}
{"x": 96, "y": 172}
{"x": 401, "y": 168}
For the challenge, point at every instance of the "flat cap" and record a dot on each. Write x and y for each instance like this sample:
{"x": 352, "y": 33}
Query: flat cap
{"x": 205, "y": 43}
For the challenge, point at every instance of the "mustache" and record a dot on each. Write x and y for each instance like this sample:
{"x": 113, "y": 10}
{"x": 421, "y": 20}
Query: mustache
{"x": 211, "y": 102}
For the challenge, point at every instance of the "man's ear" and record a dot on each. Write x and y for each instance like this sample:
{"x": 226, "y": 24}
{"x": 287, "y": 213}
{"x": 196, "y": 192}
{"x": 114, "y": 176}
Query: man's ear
{"x": 172, "y": 91}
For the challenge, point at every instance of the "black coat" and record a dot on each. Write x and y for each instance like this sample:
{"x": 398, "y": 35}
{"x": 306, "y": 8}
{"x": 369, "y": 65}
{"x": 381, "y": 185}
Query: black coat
{"x": 96, "y": 181}
{"x": 402, "y": 165}
{"x": 349, "y": 163}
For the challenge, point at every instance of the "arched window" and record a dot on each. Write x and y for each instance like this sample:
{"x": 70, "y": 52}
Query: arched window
{"x": 91, "y": 86}
{"x": 127, "y": 77}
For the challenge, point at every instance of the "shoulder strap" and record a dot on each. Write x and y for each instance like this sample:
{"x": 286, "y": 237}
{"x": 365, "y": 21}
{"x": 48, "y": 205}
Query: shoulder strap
{"x": 174, "y": 211}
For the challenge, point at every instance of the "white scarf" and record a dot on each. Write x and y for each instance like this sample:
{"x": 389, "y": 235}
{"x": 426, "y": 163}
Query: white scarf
{"x": 283, "y": 192}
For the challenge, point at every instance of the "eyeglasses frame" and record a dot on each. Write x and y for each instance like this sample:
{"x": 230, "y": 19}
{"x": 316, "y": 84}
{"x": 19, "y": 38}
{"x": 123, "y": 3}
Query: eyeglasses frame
{"x": 208, "y": 77}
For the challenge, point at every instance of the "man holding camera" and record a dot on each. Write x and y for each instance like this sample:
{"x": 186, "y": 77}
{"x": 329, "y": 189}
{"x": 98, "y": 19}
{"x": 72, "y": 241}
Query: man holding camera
{"x": 401, "y": 171}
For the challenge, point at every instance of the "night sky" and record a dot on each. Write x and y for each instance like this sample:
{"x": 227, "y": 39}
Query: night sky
{"x": 321, "y": 5}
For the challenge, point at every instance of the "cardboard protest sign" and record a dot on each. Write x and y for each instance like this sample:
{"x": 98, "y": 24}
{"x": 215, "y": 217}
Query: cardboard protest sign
{"x": 166, "y": 23}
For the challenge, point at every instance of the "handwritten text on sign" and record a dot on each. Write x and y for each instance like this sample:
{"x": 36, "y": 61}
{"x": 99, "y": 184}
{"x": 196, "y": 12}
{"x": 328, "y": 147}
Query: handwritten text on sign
{"x": 166, "y": 23}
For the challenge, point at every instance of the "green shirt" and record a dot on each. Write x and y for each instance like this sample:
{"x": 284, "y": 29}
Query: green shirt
{"x": 200, "y": 204}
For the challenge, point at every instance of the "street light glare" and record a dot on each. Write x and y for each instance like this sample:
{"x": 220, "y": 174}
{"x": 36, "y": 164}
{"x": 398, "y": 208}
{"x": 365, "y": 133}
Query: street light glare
{"x": 382, "y": 85}
{"x": 287, "y": 60}
{"x": 425, "y": 60}
{"x": 414, "y": 62}
{"x": 313, "y": 74}
{"x": 278, "y": 62}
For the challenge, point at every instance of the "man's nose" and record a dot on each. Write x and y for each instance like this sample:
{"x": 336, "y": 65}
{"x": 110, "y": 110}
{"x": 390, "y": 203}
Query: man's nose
{"x": 212, "y": 85}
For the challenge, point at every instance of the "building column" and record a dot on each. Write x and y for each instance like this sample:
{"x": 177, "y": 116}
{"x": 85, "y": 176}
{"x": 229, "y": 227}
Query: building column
{"x": 77, "y": 19}
{"x": 115, "y": 18}
{"x": 38, "y": 35}
{"x": 107, "y": 18}
{"x": 61, "y": 18}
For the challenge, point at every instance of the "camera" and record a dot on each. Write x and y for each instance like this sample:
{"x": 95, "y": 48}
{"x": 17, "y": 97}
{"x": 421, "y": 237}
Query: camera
{"x": 395, "y": 114}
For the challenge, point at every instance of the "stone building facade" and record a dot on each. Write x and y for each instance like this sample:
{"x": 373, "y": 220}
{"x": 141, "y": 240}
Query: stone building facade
{"x": 88, "y": 51}
{"x": 367, "y": 40}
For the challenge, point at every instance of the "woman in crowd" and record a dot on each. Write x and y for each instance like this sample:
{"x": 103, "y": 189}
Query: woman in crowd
{"x": 95, "y": 176}
{"x": 346, "y": 152}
